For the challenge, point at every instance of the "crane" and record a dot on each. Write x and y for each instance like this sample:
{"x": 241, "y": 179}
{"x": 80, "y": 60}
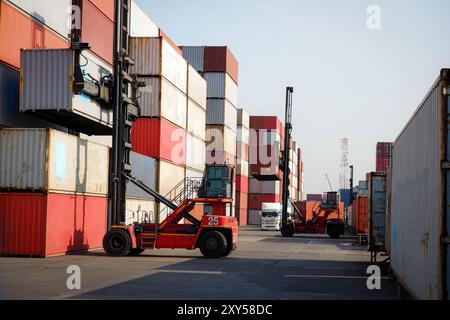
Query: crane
{"x": 329, "y": 182}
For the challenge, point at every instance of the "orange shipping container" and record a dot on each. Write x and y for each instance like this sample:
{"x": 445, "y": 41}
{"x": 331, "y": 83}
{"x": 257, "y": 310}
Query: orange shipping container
{"x": 18, "y": 31}
{"x": 106, "y": 7}
{"x": 361, "y": 214}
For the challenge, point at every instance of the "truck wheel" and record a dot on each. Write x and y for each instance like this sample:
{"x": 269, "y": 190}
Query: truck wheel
{"x": 117, "y": 242}
{"x": 213, "y": 245}
{"x": 287, "y": 231}
{"x": 334, "y": 233}
{"x": 136, "y": 252}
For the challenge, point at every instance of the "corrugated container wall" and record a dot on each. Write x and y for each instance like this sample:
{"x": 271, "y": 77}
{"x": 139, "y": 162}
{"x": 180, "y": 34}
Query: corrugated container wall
{"x": 145, "y": 168}
{"x": 220, "y": 139}
{"x": 220, "y": 59}
{"x": 221, "y": 86}
{"x": 221, "y": 112}
{"x": 196, "y": 120}
{"x": 377, "y": 211}
{"x": 195, "y": 57}
{"x": 197, "y": 87}
{"x": 51, "y": 161}
{"x": 420, "y": 203}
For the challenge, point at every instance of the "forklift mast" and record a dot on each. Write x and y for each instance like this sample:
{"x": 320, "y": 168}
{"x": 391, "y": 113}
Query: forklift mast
{"x": 285, "y": 158}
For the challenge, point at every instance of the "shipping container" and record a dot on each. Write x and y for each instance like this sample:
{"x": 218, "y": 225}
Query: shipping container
{"x": 139, "y": 211}
{"x": 388, "y": 210}
{"x": 220, "y": 139}
{"x": 159, "y": 139}
{"x": 242, "y": 184}
{"x": 169, "y": 177}
{"x": 197, "y": 87}
{"x": 242, "y": 151}
{"x": 196, "y": 120}
{"x": 159, "y": 98}
{"x": 243, "y": 134}
{"x": 46, "y": 89}
{"x": 140, "y": 24}
{"x": 221, "y": 59}
{"x": 242, "y": 216}
{"x": 32, "y": 35}
{"x": 267, "y": 123}
{"x": 195, "y": 57}
{"x": 221, "y": 112}
{"x": 314, "y": 197}
{"x": 157, "y": 57}
{"x": 51, "y": 161}
{"x": 243, "y": 119}
{"x": 255, "y": 201}
{"x": 54, "y": 14}
{"x": 264, "y": 187}
{"x": 254, "y": 217}
{"x": 241, "y": 200}
{"x": 10, "y": 116}
{"x": 242, "y": 167}
{"x": 144, "y": 168}
{"x": 360, "y": 210}
{"x": 383, "y": 163}
{"x": 420, "y": 219}
{"x": 106, "y": 7}
{"x": 221, "y": 86}
{"x": 195, "y": 153}
{"x": 93, "y": 20}
{"x": 42, "y": 225}
{"x": 219, "y": 158}
{"x": 384, "y": 149}
{"x": 377, "y": 211}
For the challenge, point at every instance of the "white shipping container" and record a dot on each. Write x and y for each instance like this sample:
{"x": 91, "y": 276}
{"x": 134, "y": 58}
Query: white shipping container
{"x": 139, "y": 211}
{"x": 243, "y": 134}
{"x": 195, "y": 153}
{"x": 55, "y": 14}
{"x": 47, "y": 160}
{"x": 221, "y": 112}
{"x": 169, "y": 176}
{"x": 263, "y": 187}
{"x": 195, "y": 57}
{"x": 420, "y": 256}
{"x": 221, "y": 86}
{"x": 46, "y": 88}
{"x": 159, "y": 98}
{"x": 156, "y": 57}
{"x": 242, "y": 168}
{"x": 243, "y": 118}
{"x": 140, "y": 24}
{"x": 220, "y": 139}
{"x": 196, "y": 120}
{"x": 242, "y": 151}
{"x": 196, "y": 87}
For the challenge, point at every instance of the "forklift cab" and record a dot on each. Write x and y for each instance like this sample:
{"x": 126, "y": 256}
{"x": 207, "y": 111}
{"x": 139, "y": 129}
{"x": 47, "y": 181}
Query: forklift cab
{"x": 330, "y": 200}
{"x": 217, "y": 183}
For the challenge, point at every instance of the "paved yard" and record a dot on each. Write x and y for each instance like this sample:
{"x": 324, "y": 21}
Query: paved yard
{"x": 265, "y": 266}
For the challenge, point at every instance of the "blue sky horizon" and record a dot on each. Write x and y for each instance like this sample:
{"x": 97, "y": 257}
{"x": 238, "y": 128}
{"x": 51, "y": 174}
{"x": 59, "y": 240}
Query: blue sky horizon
{"x": 350, "y": 80}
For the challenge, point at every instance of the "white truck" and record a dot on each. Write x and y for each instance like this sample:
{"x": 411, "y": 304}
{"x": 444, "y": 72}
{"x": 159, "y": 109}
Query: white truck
{"x": 271, "y": 215}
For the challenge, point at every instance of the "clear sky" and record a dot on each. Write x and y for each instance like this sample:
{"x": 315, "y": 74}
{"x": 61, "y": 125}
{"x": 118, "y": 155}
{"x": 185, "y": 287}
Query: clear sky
{"x": 350, "y": 81}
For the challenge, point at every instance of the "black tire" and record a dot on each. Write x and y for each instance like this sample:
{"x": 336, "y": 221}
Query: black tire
{"x": 136, "y": 252}
{"x": 334, "y": 232}
{"x": 287, "y": 230}
{"x": 117, "y": 243}
{"x": 213, "y": 245}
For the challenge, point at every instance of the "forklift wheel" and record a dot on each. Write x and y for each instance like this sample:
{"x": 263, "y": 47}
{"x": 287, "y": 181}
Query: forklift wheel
{"x": 287, "y": 231}
{"x": 213, "y": 245}
{"x": 334, "y": 233}
{"x": 117, "y": 242}
{"x": 136, "y": 252}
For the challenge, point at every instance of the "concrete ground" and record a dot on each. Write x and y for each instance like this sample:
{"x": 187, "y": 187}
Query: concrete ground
{"x": 265, "y": 267}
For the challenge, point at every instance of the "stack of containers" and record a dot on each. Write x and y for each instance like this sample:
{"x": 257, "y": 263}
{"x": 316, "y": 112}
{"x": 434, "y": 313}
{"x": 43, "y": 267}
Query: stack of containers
{"x": 53, "y": 196}
{"x": 26, "y": 25}
{"x": 301, "y": 196}
{"x": 293, "y": 165}
{"x": 242, "y": 166}
{"x": 161, "y": 132}
{"x": 359, "y": 215}
{"x": 266, "y": 136}
{"x": 384, "y": 156}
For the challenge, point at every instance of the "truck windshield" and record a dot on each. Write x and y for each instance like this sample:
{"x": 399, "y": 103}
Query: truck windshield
{"x": 270, "y": 214}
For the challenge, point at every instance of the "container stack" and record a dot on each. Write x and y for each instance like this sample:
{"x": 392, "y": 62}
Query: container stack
{"x": 358, "y": 217}
{"x": 242, "y": 166}
{"x": 384, "y": 156}
{"x": 160, "y": 133}
{"x": 54, "y": 189}
{"x": 301, "y": 176}
{"x": 294, "y": 168}
{"x": 27, "y": 19}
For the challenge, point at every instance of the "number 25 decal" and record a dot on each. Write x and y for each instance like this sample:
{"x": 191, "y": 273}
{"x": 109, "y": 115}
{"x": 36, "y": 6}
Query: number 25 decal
{"x": 213, "y": 221}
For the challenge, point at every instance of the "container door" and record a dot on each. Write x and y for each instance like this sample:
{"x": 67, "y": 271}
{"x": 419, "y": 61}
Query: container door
{"x": 378, "y": 211}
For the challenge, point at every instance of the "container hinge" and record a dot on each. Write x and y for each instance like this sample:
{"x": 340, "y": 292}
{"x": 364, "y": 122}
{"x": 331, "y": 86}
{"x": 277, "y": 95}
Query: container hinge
{"x": 445, "y": 165}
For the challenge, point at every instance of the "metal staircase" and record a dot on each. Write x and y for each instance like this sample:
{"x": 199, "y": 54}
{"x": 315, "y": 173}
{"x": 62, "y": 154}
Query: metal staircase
{"x": 187, "y": 189}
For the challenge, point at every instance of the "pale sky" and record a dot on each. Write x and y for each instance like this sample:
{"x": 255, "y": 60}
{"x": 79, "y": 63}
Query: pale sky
{"x": 349, "y": 81}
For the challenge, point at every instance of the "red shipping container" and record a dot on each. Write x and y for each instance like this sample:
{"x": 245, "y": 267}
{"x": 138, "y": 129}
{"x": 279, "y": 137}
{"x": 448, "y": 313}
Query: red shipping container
{"x": 241, "y": 200}
{"x": 220, "y": 59}
{"x": 267, "y": 123}
{"x": 18, "y": 31}
{"x": 361, "y": 209}
{"x": 255, "y": 201}
{"x": 384, "y": 148}
{"x": 383, "y": 163}
{"x": 106, "y": 7}
{"x": 46, "y": 225}
{"x": 170, "y": 42}
{"x": 97, "y": 30}
{"x": 242, "y": 184}
{"x": 160, "y": 139}
{"x": 242, "y": 216}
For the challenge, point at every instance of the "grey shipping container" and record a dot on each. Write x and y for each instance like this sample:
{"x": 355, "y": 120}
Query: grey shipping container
{"x": 46, "y": 89}
{"x": 420, "y": 209}
{"x": 10, "y": 116}
{"x": 221, "y": 112}
{"x": 195, "y": 56}
{"x": 377, "y": 211}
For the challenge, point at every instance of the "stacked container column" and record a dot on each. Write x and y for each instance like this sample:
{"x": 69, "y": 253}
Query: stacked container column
{"x": 242, "y": 166}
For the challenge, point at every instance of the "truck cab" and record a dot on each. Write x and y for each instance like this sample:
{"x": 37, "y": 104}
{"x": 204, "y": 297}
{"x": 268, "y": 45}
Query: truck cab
{"x": 270, "y": 220}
